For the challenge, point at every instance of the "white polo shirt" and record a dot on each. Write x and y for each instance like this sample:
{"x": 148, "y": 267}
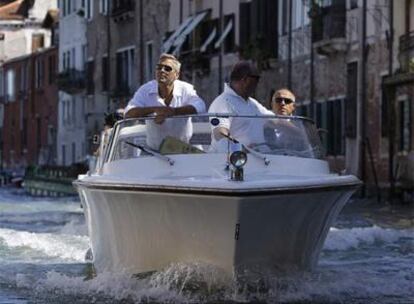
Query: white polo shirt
{"x": 247, "y": 130}
{"x": 181, "y": 128}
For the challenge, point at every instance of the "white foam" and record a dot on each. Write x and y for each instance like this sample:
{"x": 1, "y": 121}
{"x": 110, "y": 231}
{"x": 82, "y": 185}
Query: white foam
{"x": 114, "y": 285}
{"x": 373, "y": 281}
{"x": 66, "y": 248}
{"x": 172, "y": 285}
{"x": 345, "y": 239}
{"x": 75, "y": 227}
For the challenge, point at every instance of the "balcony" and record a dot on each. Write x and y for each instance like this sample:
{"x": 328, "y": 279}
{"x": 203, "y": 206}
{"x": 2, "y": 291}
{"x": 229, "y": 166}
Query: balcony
{"x": 72, "y": 81}
{"x": 329, "y": 28}
{"x": 123, "y": 10}
{"x": 406, "y": 53}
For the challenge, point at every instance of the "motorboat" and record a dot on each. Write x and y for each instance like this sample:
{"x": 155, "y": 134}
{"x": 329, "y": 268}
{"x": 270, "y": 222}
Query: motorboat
{"x": 264, "y": 202}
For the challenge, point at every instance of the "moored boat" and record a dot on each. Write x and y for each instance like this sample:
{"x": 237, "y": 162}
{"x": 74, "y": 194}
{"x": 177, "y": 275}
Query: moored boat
{"x": 266, "y": 203}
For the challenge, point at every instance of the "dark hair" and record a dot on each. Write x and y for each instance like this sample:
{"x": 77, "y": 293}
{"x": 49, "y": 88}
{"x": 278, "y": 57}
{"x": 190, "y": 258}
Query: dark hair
{"x": 242, "y": 69}
{"x": 112, "y": 118}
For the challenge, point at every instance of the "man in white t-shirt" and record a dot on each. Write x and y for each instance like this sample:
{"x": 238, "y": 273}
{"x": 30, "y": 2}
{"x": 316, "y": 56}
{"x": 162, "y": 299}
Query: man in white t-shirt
{"x": 165, "y": 97}
{"x": 236, "y": 99}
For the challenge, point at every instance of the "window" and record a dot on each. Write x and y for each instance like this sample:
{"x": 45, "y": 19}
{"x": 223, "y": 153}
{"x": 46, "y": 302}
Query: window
{"x": 227, "y": 35}
{"x": 353, "y": 4}
{"x": 404, "y": 113}
{"x": 149, "y": 61}
{"x": 24, "y": 135}
{"x": 321, "y": 121}
{"x": 73, "y": 152}
{"x": 103, "y": 7}
{"x": 65, "y": 7}
{"x": 52, "y": 68}
{"x": 39, "y": 72}
{"x": 336, "y": 136}
{"x": 105, "y": 73}
{"x": 62, "y": 7}
{"x": 124, "y": 70}
{"x": 302, "y": 110}
{"x": 23, "y": 77}
{"x": 38, "y": 134}
{"x": 38, "y": 41}
{"x": 63, "y": 155}
{"x": 89, "y": 9}
{"x": 351, "y": 100}
{"x": 90, "y": 86}
{"x": 384, "y": 111}
{"x": 72, "y": 58}
{"x": 84, "y": 56}
{"x": 284, "y": 25}
{"x": 66, "y": 60}
{"x": 300, "y": 14}
{"x": 1, "y": 85}
{"x": 10, "y": 85}
{"x": 330, "y": 116}
{"x": 259, "y": 24}
{"x": 123, "y": 5}
{"x": 73, "y": 108}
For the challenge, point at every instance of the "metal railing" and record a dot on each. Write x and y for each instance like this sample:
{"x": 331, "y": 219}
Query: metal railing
{"x": 72, "y": 81}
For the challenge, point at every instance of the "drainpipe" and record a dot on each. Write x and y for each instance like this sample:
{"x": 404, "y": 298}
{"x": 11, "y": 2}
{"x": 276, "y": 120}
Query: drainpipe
{"x": 141, "y": 42}
{"x": 289, "y": 71}
{"x": 391, "y": 105}
{"x": 220, "y": 62}
{"x": 363, "y": 97}
{"x": 108, "y": 51}
{"x": 181, "y": 11}
{"x": 312, "y": 70}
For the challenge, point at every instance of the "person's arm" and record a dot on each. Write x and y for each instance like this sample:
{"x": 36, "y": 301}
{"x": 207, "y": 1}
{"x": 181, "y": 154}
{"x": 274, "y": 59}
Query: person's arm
{"x": 161, "y": 112}
{"x": 219, "y": 131}
{"x": 191, "y": 98}
{"x": 185, "y": 110}
{"x": 140, "y": 112}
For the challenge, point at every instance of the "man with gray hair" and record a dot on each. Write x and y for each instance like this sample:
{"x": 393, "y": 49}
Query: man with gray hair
{"x": 165, "y": 97}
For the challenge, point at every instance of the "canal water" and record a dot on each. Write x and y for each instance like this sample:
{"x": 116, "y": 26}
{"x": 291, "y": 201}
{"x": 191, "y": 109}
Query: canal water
{"x": 367, "y": 258}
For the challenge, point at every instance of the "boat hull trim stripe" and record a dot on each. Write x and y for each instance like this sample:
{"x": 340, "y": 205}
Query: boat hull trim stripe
{"x": 214, "y": 192}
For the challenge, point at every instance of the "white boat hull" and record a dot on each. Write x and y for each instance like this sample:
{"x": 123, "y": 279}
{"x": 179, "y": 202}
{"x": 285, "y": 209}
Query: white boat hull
{"x": 137, "y": 230}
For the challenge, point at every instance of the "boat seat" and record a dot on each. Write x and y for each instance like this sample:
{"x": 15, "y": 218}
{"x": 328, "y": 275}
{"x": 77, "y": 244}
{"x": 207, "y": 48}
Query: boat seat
{"x": 172, "y": 145}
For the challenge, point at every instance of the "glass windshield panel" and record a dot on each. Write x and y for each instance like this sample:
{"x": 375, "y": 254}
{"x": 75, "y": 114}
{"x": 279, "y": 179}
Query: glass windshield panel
{"x": 293, "y": 136}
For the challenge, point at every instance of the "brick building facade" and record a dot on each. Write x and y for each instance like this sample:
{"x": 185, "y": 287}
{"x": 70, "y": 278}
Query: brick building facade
{"x": 30, "y": 121}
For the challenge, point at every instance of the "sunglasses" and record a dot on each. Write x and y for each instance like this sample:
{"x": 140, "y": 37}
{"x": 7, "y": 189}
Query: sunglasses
{"x": 256, "y": 77}
{"x": 163, "y": 67}
{"x": 286, "y": 100}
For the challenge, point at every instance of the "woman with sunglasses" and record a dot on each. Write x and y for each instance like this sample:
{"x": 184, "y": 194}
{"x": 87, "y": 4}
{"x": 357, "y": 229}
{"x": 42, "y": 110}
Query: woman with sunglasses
{"x": 283, "y": 102}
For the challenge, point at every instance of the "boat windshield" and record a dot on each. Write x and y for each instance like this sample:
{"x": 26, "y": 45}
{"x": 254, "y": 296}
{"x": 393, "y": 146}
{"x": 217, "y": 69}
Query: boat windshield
{"x": 269, "y": 135}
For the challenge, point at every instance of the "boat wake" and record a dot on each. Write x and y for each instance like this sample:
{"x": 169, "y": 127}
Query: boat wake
{"x": 202, "y": 283}
{"x": 22, "y": 246}
{"x": 346, "y": 239}
{"x": 371, "y": 278}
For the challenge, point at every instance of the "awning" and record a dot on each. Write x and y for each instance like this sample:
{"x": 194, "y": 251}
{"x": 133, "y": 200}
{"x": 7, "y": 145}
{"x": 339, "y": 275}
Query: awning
{"x": 167, "y": 44}
{"x": 223, "y": 36}
{"x": 178, "y": 42}
{"x": 208, "y": 40}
